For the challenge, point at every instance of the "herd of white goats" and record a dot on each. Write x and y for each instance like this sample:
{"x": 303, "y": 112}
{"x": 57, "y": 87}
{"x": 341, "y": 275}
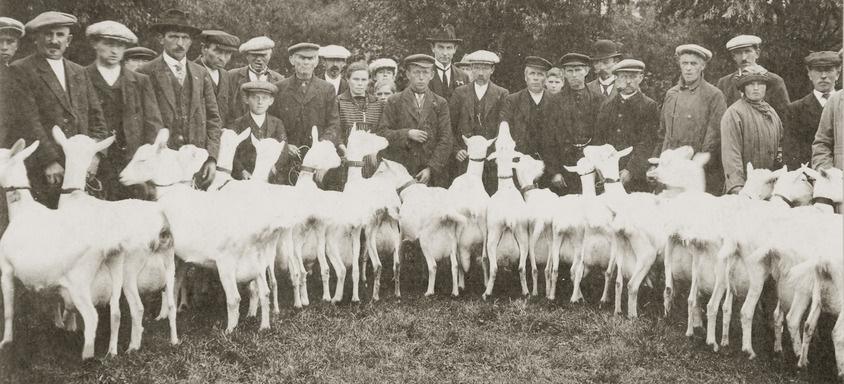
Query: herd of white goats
{"x": 780, "y": 226}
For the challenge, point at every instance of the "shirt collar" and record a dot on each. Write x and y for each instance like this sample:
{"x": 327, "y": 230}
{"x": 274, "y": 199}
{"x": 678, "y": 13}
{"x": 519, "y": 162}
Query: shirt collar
{"x": 210, "y": 70}
{"x": 691, "y": 86}
{"x": 108, "y": 71}
{"x": 609, "y": 81}
{"x": 537, "y": 97}
{"x": 55, "y": 61}
{"x": 481, "y": 89}
{"x": 258, "y": 119}
{"x": 627, "y": 97}
{"x": 819, "y": 96}
{"x": 172, "y": 62}
{"x": 441, "y": 67}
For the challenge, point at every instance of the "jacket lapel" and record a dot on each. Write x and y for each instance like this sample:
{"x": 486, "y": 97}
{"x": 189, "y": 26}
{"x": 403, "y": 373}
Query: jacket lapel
{"x": 53, "y": 82}
{"x": 525, "y": 101}
{"x": 409, "y": 101}
{"x": 161, "y": 75}
{"x": 75, "y": 86}
{"x": 311, "y": 91}
{"x": 197, "y": 84}
{"x": 489, "y": 98}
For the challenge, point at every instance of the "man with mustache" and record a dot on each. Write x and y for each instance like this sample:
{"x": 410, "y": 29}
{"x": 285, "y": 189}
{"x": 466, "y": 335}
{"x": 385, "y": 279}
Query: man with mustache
{"x": 334, "y": 60}
{"x": 185, "y": 92}
{"x": 604, "y": 56}
{"x": 217, "y": 48}
{"x": 745, "y": 50}
{"x": 446, "y": 77}
{"x": 55, "y": 92}
{"x": 804, "y": 115}
{"x": 258, "y": 51}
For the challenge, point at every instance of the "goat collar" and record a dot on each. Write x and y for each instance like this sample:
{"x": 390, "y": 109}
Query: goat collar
{"x": 354, "y": 163}
{"x": 305, "y": 168}
{"x": 481, "y": 160}
{"x": 10, "y": 189}
{"x": 224, "y": 184}
{"x": 65, "y": 191}
{"x": 823, "y": 200}
{"x": 224, "y": 170}
{"x": 405, "y": 186}
{"x": 506, "y": 177}
{"x": 610, "y": 181}
{"x": 185, "y": 182}
{"x": 785, "y": 199}
{"x": 528, "y": 187}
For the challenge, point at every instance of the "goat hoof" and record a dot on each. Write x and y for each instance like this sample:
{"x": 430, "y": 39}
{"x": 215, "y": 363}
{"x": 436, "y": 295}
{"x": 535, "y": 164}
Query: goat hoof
{"x": 484, "y": 296}
{"x": 429, "y": 294}
{"x": 750, "y": 354}
{"x": 111, "y": 355}
{"x": 714, "y": 347}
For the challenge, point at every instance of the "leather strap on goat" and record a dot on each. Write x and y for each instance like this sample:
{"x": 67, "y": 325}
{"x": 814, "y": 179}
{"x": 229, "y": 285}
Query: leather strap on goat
{"x": 65, "y": 191}
{"x": 787, "y": 200}
{"x": 481, "y": 160}
{"x": 304, "y": 168}
{"x": 186, "y": 182}
{"x": 224, "y": 170}
{"x": 224, "y": 184}
{"x": 527, "y": 188}
{"x": 610, "y": 181}
{"x": 10, "y": 189}
{"x": 405, "y": 186}
{"x": 823, "y": 200}
{"x": 352, "y": 163}
{"x": 506, "y": 177}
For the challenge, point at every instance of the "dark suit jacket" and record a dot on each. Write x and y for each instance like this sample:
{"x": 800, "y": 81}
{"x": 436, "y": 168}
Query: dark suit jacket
{"x": 244, "y": 157}
{"x": 400, "y": 116}
{"x": 299, "y": 112}
{"x": 629, "y": 123}
{"x": 225, "y": 97}
{"x": 203, "y": 125}
{"x": 516, "y": 111}
{"x": 236, "y": 78}
{"x": 141, "y": 117}
{"x": 344, "y": 85}
{"x": 458, "y": 78}
{"x": 46, "y": 104}
{"x": 800, "y": 123}
{"x": 594, "y": 86}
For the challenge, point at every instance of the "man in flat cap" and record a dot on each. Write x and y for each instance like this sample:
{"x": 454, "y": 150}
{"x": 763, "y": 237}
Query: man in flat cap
{"x": 334, "y": 61}
{"x": 751, "y": 131}
{"x": 134, "y": 57}
{"x": 217, "y": 48}
{"x": 605, "y": 55}
{"x": 11, "y": 31}
{"x": 575, "y": 111}
{"x": 745, "y": 50}
{"x": 185, "y": 91}
{"x": 801, "y": 121}
{"x": 56, "y": 92}
{"x": 258, "y": 51}
{"x": 304, "y": 101}
{"x": 258, "y": 96}
{"x": 446, "y": 77}
{"x": 691, "y": 114}
{"x": 476, "y": 111}
{"x": 629, "y": 119}
{"x": 383, "y": 69}
{"x": 128, "y": 102}
{"x": 417, "y": 125}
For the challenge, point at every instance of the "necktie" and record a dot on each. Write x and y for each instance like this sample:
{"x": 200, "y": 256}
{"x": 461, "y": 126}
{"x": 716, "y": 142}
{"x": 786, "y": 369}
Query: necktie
{"x": 605, "y": 90}
{"x": 304, "y": 87}
{"x": 445, "y": 78}
{"x": 420, "y": 100}
{"x": 180, "y": 73}
{"x": 825, "y": 95}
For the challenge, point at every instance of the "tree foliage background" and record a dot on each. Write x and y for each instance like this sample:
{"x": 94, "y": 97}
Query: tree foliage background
{"x": 648, "y": 29}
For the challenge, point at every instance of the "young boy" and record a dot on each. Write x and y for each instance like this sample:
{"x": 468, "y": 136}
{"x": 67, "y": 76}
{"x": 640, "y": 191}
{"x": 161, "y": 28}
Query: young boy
{"x": 258, "y": 97}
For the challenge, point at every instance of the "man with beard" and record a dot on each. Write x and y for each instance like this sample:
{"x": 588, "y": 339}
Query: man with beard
{"x": 804, "y": 115}
{"x": 217, "y": 48}
{"x": 258, "y": 51}
{"x": 604, "y": 56}
{"x": 185, "y": 92}
{"x": 334, "y": 60}
{"x": 745, "y": 50}
{"x": 135, "y": 57}
{"x": 55, "y": 92}
{"x": 446, "y": 77}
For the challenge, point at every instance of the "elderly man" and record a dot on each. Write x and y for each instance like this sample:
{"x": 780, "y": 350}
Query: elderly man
{"x": 446, "y": 77}
{"x": 417, "y": 124}
{"x": 629, "y": 119}
{"x": 476, "y": 111}
{"x": 137, "y": 56}
{"x": 217, "y": 48}
{"x": 604, "y": 56}
{"x": 334, "y": 61}
{"x": 383, "y": 69}
{"x": 185, "y": 91}
{"x": 801, "y": 122}
{"x": 128, "y": 102}
{"x": 691, "y": 113}
{"x": 745, "y": 50}
{"x": 258, "y": 51}
{"x": 56, "y": 92}
{"x": 750, "y": 130}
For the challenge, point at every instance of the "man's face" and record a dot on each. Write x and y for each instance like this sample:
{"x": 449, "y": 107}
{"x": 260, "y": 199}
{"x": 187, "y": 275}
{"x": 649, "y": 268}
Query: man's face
{"x": 554, "y": 84}
{"x": 304, "y": 65}
{"x": 385, "y": 73}
{"x": 383, "y": 93}
{"x": 482, "y": 72}
{"x": 133, "y": 64}
{"x": 691, "y": 67}
{"x": 755, "y": 90}
{"x": 215, "y": 57}
{"x": 8, "y": 46}
{"x": 176, "y": 44}
{"x": 51, "y": 42}
{"x": 334, "y": 67}
{"x": 419, "y": 78}
{"x": 358, "y": 81}
{"x": 603, "y": 66}
{"x": 824, "y": 78}
{"x": 534, "y": 79}
{"x": 746, "y": 56}
{"x": 576, "y": 75}
{"x": 109, "y": 51}
{"x": 628, "y": 82}
{"x": 259, "y": 61}
{"x": 444, "y": 52}
{"x": 259, "y": 102}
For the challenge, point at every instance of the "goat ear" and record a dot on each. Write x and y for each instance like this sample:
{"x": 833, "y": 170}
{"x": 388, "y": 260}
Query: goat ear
{"x": 653, "y": 160}
{"x": 625, "y": 151}
{"x": 254, "y": 140}
{"x": 105, "y": 143}
{"x": 17, "y": 147}
{"x": 244, "y": 135}
{"x": 465, "y": 140}
{"x": 779, "y": 172}
{"x": 314, "y": 135}
{"x": 283, "y": 145}
{"x": 570, "y": 168}
{"x": 686, "y": 151}
{"x": 59, "y": 136}
{"x": 29, "y": 150}
{"x": 492, "y": 156}
{"x": 354, "y": 127}
{"x": 749, "y": 167}
{"x": 701, "y": 158}
{"x": 161, "y": 138}
{"x": 813, "y": 173}
{"x": 491, "y": 141}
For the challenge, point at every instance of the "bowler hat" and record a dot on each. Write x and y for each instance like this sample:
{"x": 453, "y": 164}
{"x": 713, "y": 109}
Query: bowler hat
{"x": 604, "y": 49}
{"x": 174, "y": 20}
{"x": 445, "y": 35}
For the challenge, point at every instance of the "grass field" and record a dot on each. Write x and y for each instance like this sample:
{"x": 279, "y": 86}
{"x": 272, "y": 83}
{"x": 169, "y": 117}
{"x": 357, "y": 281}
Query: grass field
{"x": 414, "y": 340}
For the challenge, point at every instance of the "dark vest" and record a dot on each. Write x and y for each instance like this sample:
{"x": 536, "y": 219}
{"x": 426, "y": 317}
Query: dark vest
{"x": 111, "y": 100}
{"x": 183, "y": 96}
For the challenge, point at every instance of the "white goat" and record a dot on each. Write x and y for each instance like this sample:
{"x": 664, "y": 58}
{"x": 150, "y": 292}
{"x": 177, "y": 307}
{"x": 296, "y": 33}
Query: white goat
{"x": 540, "y": 214}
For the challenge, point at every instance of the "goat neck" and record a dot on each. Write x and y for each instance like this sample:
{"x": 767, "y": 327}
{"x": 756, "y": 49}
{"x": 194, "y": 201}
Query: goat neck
{"x": 355, "y": 170}
{"x": 614, "y": 187}
{"x": 587, "y": 182}
{"x": 306, "y": 180}
{"x": 222, "y": 176}
{"x": 75, "y": 174}
{"x": 18, "y": 198}
{"x": 261, "y": 173}
{"x": 475, "y": 167}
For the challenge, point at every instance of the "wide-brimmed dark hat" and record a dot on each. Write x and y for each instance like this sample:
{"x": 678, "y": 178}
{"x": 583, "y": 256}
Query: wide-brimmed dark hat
{"x": 175, "y": 20}
{"x": 446, "y": 35}
{"x": 604, "y": 49}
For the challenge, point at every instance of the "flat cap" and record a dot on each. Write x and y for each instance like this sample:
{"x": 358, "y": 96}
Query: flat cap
{"x": 693, "y": 49}
{"x": 9, "y": 24}
{"x": 143, "y": 53}
{"x": 752, "y": 73}
{"x": 111, "y": 30}
{"x": 51, "y": 19}
{"x": 224, "y": 40}
{"x": 377, "y": 64}
{"x": 422, "y": 60}
{"x": 334, "y": 52}
{"x": 304, "y": 49}
{"x": 742, "y": 41}
{"x": 260, "y": 43}
{"x": 823, "y": 59}
{"x": 574, "y": 58}
{"x": 463, "y": 63}
{"x": 537, "y": 62}
{"x": 259, "y": 86}
{"x": 628, "y": 65}
{"x": 482, "y": 57}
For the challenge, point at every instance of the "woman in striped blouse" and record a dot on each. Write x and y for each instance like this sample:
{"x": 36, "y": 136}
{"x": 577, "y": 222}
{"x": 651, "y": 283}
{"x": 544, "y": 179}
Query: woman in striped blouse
{"x": 358, "y": 106}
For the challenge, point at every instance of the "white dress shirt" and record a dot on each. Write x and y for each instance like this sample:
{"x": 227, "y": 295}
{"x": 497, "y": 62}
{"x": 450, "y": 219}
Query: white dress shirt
{"x": 171, "y": 62}
{"x": 537, "y": 97}
{"x": 625, "y": 97}
{"x": 215, "y": 73}
{"x": 821, "y": 99}
{"x": 256, "y": 77}
{"x": 110, "y": 75}
{"x": 445, "y": 74}
{"x": 58, "y": 69}
{"x": 258, "y": 119}
{"x": 609, "y": 83}
{"x": 334, "y": 82}
{"x": 480, "y": 90}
